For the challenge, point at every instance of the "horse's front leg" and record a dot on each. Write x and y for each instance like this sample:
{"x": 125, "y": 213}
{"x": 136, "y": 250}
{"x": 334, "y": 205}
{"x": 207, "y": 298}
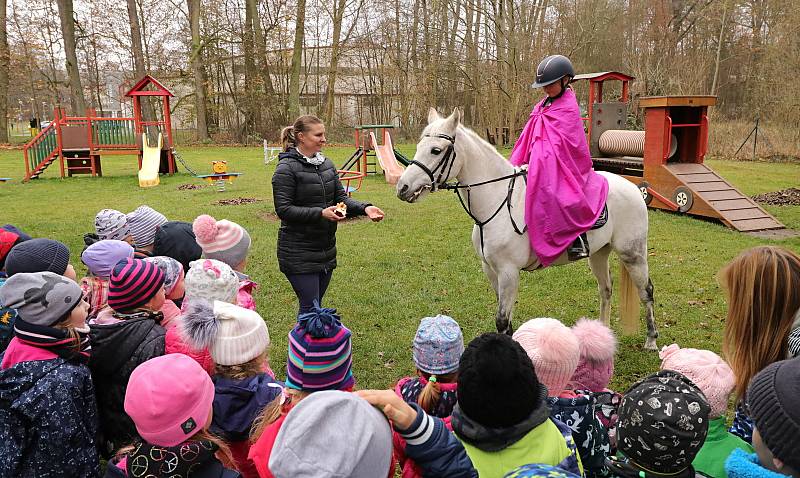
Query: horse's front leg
{"x": 507, "y": 289}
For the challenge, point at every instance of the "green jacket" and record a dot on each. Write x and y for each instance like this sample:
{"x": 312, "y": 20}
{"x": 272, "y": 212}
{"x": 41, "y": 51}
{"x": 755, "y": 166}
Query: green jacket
{"x": 718, "y": 446}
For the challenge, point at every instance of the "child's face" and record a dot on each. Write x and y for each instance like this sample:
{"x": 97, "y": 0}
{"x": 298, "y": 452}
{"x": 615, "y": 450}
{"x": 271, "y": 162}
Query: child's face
{"x": 179, "y": 290}
{"x": 156, "y": 302}
{"x": 765, "y": 456}
{"x": 70, "y": 273}
{"x": 77, "y": 318}
{"x": 553, "y": 89}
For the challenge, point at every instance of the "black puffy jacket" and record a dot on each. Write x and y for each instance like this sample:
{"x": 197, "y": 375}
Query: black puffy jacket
{"x": 117, "y": 349}
{"x": 306, "y": 240}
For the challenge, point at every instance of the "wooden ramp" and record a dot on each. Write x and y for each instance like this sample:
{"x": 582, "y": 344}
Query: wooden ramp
{"x": 715, "y": 197}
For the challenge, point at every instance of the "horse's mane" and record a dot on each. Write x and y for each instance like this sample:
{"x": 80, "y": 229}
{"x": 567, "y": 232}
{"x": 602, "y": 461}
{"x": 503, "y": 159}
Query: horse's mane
{"x": 475, "y": 137}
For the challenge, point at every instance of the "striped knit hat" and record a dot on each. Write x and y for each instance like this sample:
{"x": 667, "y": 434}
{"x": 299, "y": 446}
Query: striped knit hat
{"x": 320, "y": 354}
{"x": 111, "y": 224}
{"x": 222, "y": 240}
{"x": 143, "y": 222}
{"x": 133, "y": 282}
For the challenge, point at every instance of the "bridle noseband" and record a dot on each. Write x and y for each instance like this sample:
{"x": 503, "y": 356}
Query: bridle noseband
{"x": 444, "y": 166}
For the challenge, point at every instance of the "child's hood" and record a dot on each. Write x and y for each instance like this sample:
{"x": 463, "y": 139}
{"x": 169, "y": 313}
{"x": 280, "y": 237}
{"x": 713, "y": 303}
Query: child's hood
{"x": 17, "y": 381}
{"x": 114, "y": 344}
{"x": 238, "y": 402}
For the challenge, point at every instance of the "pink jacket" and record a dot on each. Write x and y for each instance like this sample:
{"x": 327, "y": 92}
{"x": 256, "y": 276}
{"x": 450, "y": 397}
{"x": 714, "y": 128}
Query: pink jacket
{"x": 245, "y": 296}
{"x": 17, "y": 352}
{"x": 564, "y": 194}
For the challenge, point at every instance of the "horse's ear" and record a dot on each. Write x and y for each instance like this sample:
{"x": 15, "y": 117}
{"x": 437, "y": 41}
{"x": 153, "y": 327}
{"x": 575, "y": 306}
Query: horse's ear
{"x": 433, "y": 115}
{"x": 457, "y": 115}
{"x": 453, "y": 120}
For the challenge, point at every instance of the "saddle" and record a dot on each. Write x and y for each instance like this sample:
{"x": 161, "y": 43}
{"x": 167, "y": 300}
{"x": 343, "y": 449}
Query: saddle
{"x": 602, "y": 219}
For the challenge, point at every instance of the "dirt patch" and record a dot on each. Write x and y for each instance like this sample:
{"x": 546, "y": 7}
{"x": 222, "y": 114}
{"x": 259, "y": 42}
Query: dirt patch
{"x": 784, "y": 197}
{"x": 775, "y": 234}
{"x": 269, "y": 216}
{"x": 189, "y": 187}
{"x": 236, "y": 201}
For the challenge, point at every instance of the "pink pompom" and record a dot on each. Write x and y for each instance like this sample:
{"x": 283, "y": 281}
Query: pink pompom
{"x": 597, "y": 342}
{"x": 205, "y": 228}
{"x": 668, "y": 351}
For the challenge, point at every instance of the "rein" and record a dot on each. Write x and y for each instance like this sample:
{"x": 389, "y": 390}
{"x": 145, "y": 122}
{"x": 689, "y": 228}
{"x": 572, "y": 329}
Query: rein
{"x": 446, "y": 164}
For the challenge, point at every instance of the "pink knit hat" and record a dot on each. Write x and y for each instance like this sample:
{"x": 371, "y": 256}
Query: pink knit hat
{"x": 598, "y": 346}
{"x": 712, "y": 375}
{"x": 169, "y": 399}
{"x": 553, "y": 349}
{"x": 222, "y": 240}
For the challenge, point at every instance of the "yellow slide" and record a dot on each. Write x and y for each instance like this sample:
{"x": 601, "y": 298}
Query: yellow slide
{"x": 151, "y": 159}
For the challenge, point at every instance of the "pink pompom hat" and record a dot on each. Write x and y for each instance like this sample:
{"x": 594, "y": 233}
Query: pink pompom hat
{"x": 598, "y": 346}
{"x": 712, "y": 375}
{"x": 222, "y": 240}
{"x": 553, "y": 349}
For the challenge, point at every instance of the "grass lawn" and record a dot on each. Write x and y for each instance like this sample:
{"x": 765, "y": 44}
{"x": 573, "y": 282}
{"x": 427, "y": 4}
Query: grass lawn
{"x": 417, "y": 262}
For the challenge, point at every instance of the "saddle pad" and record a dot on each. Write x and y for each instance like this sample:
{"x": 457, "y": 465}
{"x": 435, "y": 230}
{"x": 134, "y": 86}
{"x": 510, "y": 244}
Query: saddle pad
{"x": 602, "y": 219}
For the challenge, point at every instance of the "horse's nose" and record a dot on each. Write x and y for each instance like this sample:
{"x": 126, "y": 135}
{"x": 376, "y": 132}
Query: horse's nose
{"x": 402, "y": 190}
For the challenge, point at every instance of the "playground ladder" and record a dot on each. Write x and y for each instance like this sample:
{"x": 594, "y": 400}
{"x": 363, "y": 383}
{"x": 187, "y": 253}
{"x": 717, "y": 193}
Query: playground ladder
{"x": 40, "y": 152}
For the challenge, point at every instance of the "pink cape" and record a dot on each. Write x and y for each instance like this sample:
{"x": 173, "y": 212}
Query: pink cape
{"x": 565, "y": 196}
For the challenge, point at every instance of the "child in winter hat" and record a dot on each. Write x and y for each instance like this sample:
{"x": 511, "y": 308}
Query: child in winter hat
{"x": 227, "y": 242}
{"x": 48, "y": 417}
{"x": 143, "y": 223}
{"x": 100, "y": 259}
{"x": 501, "y": 417}
{"x": 714, "y": 377}
{"x": 772, "y": 399}
{"x": 40, "y": 255}
{"x": 535, "y": 470}
{"x": 239, "y": 343}
{"x": 663, "y": 422}
{"x": 333, "y": 434}
{"x": 211, "y": 280}
{"x": 437, "y": 348}
{"x": 10, "y": 236}
{"x": 176, "y": 239}
{"x": 174, "y": 288}
{"x": 320, "y": 358}
{"x": 112, "y": 224}
{"x": 173, "y": 440}
{"x": 555, "y": 352}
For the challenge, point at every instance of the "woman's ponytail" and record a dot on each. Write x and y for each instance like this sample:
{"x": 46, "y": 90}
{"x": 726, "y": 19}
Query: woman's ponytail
{"x": 287, "y": 138}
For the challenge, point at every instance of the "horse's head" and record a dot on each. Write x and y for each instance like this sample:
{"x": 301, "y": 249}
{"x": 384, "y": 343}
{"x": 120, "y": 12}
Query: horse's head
{"x": 435, "y": 161}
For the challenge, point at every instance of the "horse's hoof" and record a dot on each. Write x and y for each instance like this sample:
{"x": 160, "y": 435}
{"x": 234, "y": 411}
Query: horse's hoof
{"x": 650, "y": 344}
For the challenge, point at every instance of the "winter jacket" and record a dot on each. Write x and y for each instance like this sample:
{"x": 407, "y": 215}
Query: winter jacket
{"x": 176, "y": 239}
{"x": 174, "y": 343}
{"x": 48, "y": 420}
{"x": 745, "y": 465}
{"x": 117, "y": 349}
{"x": 262, "y": 448}
{"x": 717, "y": 448}
{"x": 95, "y": 290}
{"x": 237, "y": 403}
{"x": 244, "y": 298}
{"x": 578, "y": 412}
{"x": 742, "y": 425}
{"x": 410, "y": 388}
{"x": 538, "y": 439}
{"x": 7, "y": 318}
{"x": 306, "y": 240}
{"x": 210, "y": 468}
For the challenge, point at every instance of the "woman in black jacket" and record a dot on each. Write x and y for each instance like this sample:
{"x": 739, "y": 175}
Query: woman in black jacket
{"x": 306, "y": 189}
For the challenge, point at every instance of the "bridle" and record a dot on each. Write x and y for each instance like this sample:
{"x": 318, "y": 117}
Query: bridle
{"x": 446, "y": 164}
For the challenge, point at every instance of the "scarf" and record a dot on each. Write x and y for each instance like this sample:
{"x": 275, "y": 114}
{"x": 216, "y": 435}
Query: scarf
{"x": 55, "y": 340}
{"x": 315, "y": 160}
{"x": 140, "y": 314}
{"x": 182, "y": 461}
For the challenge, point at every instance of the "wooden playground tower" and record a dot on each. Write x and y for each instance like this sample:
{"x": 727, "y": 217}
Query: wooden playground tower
{"x": 78, "y": 142}
{"x": 666, "y": 160}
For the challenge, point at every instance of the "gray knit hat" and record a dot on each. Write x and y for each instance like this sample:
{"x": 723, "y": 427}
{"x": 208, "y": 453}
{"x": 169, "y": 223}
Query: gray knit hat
{"x": 38, "y": 255}
{"x": 111, "y": 224}
{"x": 143, "y": 222}
{"x": 332, "y": 434}
{"x": 773, "y": 398}
{"x": 41, "y": 298}
{"x": 222, "y": 240}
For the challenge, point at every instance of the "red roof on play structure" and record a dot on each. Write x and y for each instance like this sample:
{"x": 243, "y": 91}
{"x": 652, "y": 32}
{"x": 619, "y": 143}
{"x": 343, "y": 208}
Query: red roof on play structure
{"x": 139, "y": 88}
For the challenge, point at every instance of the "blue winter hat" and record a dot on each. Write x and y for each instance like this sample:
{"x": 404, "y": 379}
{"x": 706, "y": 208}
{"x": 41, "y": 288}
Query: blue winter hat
{"x": 538, "y": 470}
{"x": 438, "y": 345}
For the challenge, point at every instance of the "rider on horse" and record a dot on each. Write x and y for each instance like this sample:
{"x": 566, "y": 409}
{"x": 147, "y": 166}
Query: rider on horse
{"x": 564, "y": 195}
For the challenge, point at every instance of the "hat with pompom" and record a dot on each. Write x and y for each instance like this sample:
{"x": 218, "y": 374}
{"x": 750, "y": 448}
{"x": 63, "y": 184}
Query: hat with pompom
{"x": 234, "y": 335}
{"x": 553, "y": 349}
{"x": 598, "y": 345}
{"x": 222, "y": 240}
{"x": 712, "y": 375}
{"x": 211, "y": 280}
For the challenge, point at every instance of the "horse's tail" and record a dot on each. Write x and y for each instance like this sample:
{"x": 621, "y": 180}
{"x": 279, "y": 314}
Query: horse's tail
{"x": 628, "y": 302}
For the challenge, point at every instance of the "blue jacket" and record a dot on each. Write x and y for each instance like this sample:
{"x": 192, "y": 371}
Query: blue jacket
{"x": 48, "y": 420}
{"x": 591, "y": 437}
{"x": 238, "y": 402}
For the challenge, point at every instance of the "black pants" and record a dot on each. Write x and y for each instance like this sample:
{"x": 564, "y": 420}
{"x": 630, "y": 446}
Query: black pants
{"x": 310, "y": 288}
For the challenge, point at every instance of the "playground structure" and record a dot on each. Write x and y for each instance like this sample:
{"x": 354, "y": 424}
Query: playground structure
{"x": 220, "y": 175}
{"x": 666, "y": 159}
{"x": 392, "y": 162}
{"x": 78, "y": 142}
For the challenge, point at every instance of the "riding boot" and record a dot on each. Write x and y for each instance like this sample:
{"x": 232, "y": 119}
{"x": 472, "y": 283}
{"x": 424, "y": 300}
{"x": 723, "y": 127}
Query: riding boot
{"x": 579, "y": 248}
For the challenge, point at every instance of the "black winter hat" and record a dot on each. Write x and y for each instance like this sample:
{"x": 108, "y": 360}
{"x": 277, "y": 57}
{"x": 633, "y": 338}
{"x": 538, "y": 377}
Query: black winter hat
{"x": 663, "y": 422}
{"x": 176, "y": 239}
{"x": 497, "y": 385}
{"x": 38, "y": 255}
{"x": 774, "y": 402}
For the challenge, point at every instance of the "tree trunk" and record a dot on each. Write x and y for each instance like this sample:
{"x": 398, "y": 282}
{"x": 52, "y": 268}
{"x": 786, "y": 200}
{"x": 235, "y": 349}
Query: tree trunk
{"x": 200, "y": 79}
{"x": 272, "y": 115}
{"x": 4, "y": 60}
{"x": 338, "y": 14}
{"x": 719, "y": 50}
{"x": 140, "y": 68}
{"x": 67, "y": 15}
{"x": 293, "y": 108}
{"x": 252, "y": 97}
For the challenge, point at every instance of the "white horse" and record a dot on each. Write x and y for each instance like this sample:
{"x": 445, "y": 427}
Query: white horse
{"x": 493, "y": 193}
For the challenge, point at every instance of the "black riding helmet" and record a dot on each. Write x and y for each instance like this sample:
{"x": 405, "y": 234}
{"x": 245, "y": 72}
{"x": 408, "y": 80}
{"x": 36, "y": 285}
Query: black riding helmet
{"x": 552, "y": 69}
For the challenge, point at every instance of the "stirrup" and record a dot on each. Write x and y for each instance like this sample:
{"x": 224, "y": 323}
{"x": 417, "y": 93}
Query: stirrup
{"x": 579, "y": 249}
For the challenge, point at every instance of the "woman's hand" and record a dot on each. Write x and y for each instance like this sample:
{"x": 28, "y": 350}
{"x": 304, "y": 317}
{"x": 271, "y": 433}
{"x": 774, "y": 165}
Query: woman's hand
{"x": 329, "y": 213}
{"x": 374, "y": 213}
{"x": 395, "y": 409}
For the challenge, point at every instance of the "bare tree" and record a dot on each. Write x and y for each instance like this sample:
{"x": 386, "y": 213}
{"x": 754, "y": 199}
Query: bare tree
{"x": 293, "y": 106}
{"x": 198, "y": 70}
{"x": 4, "y": 61}
{"x": 67, "y": 15}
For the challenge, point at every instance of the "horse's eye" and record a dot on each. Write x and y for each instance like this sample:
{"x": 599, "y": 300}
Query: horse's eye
{"x": 435, "y": 151}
